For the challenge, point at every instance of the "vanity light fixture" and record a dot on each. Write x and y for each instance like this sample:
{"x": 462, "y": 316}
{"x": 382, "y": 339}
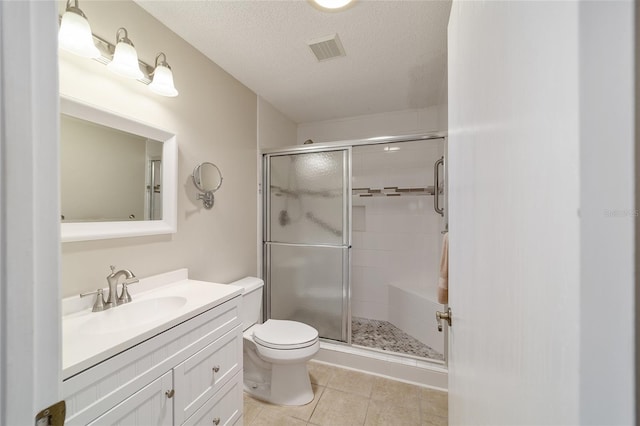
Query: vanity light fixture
{"x": 122, "y": 58}
{"x": 125, "y": 57}
{"x": 162, "y": 83}
{"x": 75, "y": 33}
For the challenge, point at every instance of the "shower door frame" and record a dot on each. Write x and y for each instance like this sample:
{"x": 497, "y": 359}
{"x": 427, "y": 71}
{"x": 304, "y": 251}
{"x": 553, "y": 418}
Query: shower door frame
{"x": 346, "y": 240}
{"x": 333, "y": 146}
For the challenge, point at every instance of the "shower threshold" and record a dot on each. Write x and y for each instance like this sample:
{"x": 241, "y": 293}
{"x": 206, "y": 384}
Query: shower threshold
{"x": 386, "y": 337}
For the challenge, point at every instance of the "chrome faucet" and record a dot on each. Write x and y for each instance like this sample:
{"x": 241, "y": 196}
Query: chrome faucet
{"x": 112, "y": 299}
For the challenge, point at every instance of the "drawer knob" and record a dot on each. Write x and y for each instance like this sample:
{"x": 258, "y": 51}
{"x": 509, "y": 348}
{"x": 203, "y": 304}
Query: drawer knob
{"x": 216, "y": 368}
{"x": 216, "y": 421}
{"x": 170, "y": 393}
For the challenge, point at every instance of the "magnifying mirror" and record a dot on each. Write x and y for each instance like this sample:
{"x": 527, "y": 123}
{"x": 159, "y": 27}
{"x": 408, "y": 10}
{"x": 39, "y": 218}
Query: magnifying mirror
{"x": 207, "y": 177}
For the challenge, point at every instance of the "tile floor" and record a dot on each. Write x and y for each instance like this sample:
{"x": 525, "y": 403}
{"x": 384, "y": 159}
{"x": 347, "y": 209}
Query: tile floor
{"x": 345, "y": 397}
{"x": 386, "y": 336}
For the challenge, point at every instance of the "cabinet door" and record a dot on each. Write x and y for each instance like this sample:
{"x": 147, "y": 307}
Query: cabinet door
{"x": 149, "y": 406}
{"x": 223, "y": 408}
{"x": 203, "y": 374}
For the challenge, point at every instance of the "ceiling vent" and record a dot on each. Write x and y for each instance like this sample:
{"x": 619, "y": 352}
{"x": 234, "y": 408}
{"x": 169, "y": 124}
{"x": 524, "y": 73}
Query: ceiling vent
{"x": 327, "y": 47}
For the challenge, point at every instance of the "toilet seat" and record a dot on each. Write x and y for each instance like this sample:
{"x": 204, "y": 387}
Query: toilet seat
{"x": 283, "y": 334}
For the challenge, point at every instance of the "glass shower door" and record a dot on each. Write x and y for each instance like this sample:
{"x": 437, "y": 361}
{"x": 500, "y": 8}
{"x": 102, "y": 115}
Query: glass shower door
{"x": 307, "y": 239}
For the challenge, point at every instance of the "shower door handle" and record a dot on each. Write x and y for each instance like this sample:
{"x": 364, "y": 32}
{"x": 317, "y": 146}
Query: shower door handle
{"x": 436, "y": 186}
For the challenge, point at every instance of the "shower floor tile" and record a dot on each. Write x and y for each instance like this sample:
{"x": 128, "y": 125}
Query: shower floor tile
{"x": 386, "y": 336}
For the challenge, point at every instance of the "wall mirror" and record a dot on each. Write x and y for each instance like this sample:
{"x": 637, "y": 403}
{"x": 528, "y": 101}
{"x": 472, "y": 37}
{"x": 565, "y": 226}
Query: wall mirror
{"x": 118, "y": 176}
{"x": 207, "y": 178}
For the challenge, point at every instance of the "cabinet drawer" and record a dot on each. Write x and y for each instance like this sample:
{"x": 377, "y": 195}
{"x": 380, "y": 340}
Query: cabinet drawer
{"x": 147, "y": 407}
{"x": 225, "y": 406}
{"x": 198, "y": 378}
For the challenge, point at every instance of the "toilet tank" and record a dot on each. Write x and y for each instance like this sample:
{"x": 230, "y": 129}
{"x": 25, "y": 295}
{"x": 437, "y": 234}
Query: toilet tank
{"x": 251, "y": 300}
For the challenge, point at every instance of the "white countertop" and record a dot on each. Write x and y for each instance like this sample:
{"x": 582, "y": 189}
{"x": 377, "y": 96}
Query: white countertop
{"x": 91, "y": 337}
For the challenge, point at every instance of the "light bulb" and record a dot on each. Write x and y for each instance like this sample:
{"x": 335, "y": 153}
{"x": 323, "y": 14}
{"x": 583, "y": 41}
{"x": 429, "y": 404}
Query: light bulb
{"x": 75, "y": 34}
{"x": 332, "y": 4}
{"x": 125, "y": 58}
{"x": 162, "y": 83}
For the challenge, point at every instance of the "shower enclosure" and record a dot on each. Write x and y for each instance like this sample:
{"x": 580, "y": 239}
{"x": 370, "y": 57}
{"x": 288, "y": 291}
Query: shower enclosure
{"x": 352, "y": 240}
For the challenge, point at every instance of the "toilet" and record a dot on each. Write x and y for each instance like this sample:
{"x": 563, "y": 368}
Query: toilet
{"x": 275, "y": 353}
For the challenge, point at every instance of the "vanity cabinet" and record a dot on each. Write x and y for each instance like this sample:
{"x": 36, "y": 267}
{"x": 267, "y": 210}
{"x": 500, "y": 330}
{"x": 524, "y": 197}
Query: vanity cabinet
{"x": 188, "y": 374}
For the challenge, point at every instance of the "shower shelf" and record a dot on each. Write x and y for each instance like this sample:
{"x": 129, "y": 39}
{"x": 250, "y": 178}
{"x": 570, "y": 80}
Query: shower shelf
{"x": 393, "y": 191}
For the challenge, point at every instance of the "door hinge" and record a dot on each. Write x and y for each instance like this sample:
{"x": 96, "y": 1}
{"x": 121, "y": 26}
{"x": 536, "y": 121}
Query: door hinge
{"x": 53, "y": 415}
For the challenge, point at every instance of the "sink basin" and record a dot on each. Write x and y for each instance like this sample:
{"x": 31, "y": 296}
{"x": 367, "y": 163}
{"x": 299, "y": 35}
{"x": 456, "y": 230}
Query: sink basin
{"x": 132, "y": 314}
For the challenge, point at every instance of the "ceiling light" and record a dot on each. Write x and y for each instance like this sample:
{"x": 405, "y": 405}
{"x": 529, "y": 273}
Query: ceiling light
{"x": 332, "y": 4}
{"x": 125, "y": 58}
{"x": 391, "y": 148}
{"x": 75, "y": 33}
{"x": 162, "y": 83}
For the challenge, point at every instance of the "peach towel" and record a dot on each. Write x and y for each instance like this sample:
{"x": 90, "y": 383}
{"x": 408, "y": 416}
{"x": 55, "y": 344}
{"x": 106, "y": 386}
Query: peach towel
{"x": 443, "y": 282}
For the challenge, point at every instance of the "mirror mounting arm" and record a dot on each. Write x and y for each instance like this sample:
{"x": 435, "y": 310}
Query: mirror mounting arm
{"x": 207, "y": 199}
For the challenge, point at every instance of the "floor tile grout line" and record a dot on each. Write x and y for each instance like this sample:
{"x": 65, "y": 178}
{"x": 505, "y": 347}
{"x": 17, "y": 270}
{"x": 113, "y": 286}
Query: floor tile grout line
{"x": 366, "y": 413}
{"x": 316, "y": 406}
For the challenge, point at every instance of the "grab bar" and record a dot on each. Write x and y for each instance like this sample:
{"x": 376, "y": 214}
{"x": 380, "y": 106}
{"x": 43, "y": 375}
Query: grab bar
{"x": 436, "y": 191}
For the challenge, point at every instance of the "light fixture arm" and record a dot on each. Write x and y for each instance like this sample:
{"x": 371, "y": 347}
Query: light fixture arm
{"x": 162, "y": 63}
{"x": 75, "y": 8}
{"x": 124, "y": 38}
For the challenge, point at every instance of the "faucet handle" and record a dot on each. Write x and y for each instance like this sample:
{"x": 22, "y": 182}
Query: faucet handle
{"x": 125, "y": 297}
{"x": 113, "y": 268}
{"x": 99, "y": 304}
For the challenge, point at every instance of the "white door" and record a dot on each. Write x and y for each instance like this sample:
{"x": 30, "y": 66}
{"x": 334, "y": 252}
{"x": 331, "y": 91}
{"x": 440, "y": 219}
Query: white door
{"x": 30, "y": 359}
{"x": 518, "y": 271}
{"x": 513, "y": 202}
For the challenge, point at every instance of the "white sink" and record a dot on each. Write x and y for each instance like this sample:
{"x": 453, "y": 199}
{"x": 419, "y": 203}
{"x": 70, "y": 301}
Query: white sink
{"x": 159, "y": 303}
{"x": 132, "y": 315}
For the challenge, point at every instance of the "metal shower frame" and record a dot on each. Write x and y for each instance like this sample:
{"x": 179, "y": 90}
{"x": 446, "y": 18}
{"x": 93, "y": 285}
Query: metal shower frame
{"x": 323, "y": 147}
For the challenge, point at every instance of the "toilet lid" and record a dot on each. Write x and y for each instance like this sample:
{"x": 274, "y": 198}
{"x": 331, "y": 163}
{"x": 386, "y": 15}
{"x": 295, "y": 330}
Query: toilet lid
{"x": 282, "y": 334}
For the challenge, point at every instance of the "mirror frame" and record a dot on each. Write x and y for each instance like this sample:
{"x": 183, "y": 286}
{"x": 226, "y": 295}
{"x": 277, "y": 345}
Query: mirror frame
{"x": 85, "y": 231}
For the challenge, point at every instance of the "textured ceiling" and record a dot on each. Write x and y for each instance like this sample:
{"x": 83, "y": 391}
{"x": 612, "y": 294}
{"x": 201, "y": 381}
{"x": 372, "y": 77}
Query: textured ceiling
{"x": 396, "y": 52}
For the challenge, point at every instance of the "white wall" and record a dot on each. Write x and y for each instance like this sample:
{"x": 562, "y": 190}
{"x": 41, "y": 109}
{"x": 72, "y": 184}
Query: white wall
{"x": 274, "y": 128}
{"x": 514, "y": 282}
{"x": 214, "y": 118}
{"x": 607, "y": 212}
{"x": 414, "y": 121}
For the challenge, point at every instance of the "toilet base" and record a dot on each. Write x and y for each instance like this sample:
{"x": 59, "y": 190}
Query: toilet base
{"x": 289, "y": 385}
